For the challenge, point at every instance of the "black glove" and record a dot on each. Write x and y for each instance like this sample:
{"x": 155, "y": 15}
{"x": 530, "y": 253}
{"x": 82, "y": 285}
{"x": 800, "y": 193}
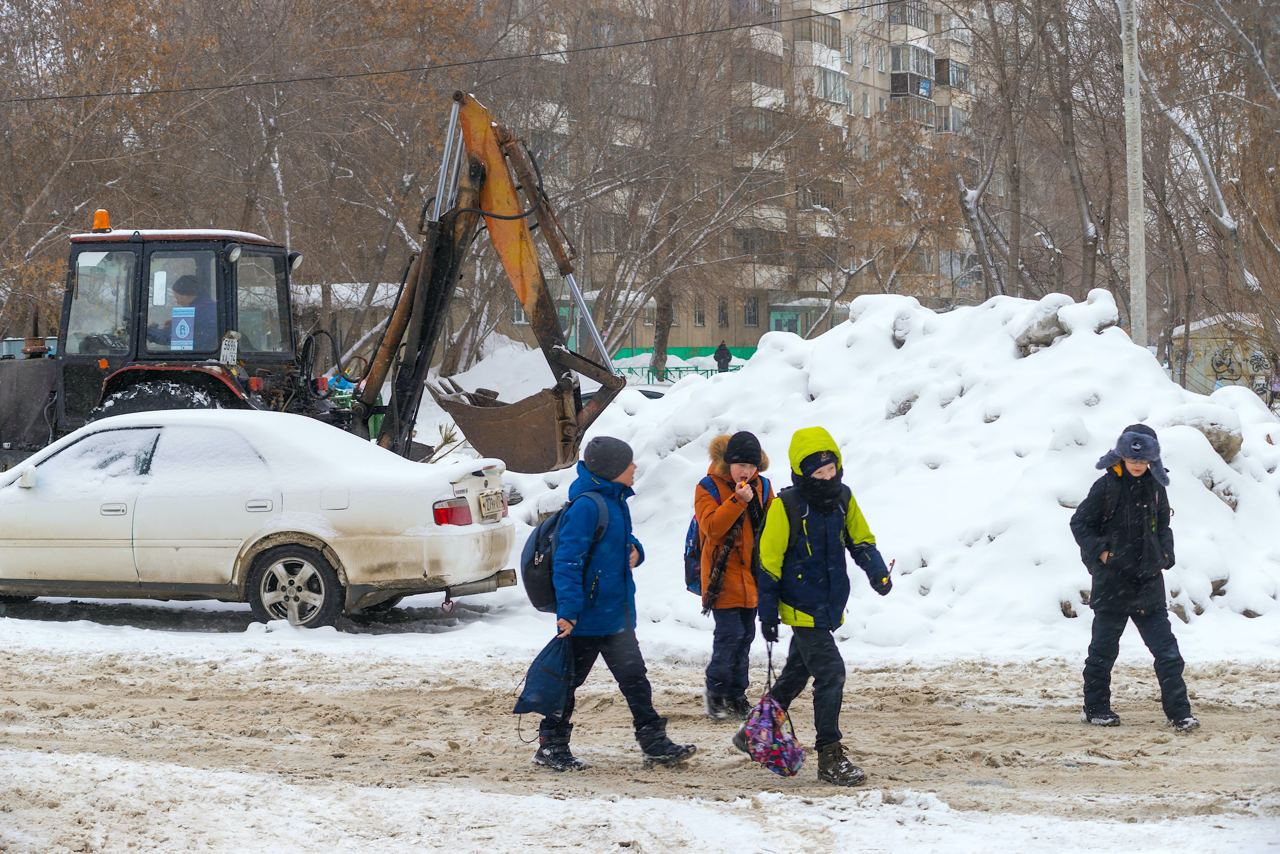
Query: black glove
{"x": 881, "y": 584}
{"x": 868, "y": 558}
{"x": 769, "y": 631}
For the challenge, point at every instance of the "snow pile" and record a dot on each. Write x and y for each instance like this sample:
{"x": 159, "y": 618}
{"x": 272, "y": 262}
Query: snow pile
{"x": 967, "y": 458}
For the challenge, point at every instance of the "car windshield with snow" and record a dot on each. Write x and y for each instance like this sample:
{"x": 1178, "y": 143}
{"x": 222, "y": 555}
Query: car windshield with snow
{"x": 302, "y": 521}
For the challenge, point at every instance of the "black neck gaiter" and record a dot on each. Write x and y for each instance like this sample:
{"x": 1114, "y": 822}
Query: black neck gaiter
{"x": 822, "y": 495}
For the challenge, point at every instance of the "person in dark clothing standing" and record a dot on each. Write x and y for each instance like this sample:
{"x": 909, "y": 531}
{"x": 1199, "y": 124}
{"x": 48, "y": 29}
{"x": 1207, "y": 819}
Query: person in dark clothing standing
{"x": 730, "y": 504}
{"x": 596, "y": 606}
{"x": 804, "y": 583}
{"x": 1122, "y": 528}
{"x": 723, "y": 357}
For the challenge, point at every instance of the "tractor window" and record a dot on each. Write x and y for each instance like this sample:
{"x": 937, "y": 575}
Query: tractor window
{"x": 182, "y": 302}
{"x": 260, "y": 309}
{"x": 100, "y": 297}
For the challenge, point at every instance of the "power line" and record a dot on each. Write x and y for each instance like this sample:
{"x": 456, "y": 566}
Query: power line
{"x": 443, "y": 66}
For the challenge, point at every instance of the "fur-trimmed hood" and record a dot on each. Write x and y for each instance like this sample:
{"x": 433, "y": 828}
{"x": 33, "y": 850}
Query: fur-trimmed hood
{"x": 719, "y": 467}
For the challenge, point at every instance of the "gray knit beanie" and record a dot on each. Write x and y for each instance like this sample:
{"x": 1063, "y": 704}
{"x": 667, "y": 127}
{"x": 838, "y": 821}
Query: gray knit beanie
{"x": 607, "y": 457}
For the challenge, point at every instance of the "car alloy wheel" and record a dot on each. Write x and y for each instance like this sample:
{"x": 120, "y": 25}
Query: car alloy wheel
{"x": 296, "y": 584}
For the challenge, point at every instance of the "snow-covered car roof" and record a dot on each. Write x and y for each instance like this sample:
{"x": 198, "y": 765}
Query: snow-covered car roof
{"x": 295, "y": 440}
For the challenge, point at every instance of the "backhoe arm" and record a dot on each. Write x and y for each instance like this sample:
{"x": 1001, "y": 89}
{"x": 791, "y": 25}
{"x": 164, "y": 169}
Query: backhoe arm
{"x": 490, "y": 178}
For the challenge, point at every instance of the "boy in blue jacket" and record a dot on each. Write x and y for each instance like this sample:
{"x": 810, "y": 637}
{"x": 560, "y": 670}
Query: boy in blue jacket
{"x": 804, "y": 583}
{"x": 596, "y": 605}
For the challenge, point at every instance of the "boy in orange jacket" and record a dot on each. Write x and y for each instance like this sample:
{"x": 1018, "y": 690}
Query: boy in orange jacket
{"x": 730, "y": 504}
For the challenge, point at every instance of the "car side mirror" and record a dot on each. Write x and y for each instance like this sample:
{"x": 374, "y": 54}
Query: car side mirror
{"x": 27, "y": 479}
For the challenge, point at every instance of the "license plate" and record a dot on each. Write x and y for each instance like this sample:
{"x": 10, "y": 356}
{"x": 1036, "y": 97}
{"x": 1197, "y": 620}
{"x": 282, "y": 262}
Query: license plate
{"x": 490, "y": 505}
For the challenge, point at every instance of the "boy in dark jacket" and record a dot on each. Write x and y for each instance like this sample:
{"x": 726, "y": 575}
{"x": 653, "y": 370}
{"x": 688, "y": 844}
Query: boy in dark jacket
{"x": 730, "y": 519}
{"x": 1122, "y": 528}
{"x": 805, "y": 584}
{"x": 596, "y": 606}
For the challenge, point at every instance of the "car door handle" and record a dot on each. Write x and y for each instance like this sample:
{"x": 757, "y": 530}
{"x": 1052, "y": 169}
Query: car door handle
{"x": 258, "y": 505}
{"x": 113, "y": 509}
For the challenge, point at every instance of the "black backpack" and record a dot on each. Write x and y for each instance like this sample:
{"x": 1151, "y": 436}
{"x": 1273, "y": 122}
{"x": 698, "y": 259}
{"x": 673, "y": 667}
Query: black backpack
{"x": 538, "y": 557}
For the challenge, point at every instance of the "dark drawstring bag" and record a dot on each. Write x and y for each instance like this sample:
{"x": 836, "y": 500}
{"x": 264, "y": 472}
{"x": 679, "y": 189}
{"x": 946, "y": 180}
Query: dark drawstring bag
{"x": 547, "y": 684}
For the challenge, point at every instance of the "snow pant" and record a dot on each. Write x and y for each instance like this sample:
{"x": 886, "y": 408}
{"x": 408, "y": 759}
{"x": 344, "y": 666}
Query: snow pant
{"x": 727, "y": 672}
{"x": 621, "y": 653}
{"x": 1157, "y": 634}
{"x": 813, "y": 653}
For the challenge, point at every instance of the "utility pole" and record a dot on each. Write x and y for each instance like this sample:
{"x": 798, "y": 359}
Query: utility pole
{"x": 1133, "y": 174}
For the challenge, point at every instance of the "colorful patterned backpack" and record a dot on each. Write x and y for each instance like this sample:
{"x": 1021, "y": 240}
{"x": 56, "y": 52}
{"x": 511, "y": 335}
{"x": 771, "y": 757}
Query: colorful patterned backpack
{"x": 771, "y": 739}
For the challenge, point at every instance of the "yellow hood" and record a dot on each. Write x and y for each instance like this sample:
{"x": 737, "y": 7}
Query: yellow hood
{"x": 808, "y": 441}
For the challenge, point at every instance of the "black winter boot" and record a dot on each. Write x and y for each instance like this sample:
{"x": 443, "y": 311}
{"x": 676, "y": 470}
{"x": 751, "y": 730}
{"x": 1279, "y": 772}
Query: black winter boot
{"x": 835, "y": 768}
{"x": 660, "y": 750}
{"x": 1101, "y": 717}
{"x": 741, "y": 707}
{"x": 718, "y": 708}
{"x": 553, "y": 752}
{"x": 740, "y": 740}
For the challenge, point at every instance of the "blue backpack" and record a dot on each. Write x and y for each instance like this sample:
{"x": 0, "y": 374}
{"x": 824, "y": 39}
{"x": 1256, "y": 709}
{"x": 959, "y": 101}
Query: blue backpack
{"x": 538, "y": 556}
{"x": 693, "y": 537}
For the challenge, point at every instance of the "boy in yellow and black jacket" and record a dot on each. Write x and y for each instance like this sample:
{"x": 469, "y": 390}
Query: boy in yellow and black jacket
{"x": 804, "y": 583}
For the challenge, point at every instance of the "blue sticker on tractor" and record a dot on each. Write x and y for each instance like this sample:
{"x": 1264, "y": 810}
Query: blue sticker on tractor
{"x": 182, "y": 327}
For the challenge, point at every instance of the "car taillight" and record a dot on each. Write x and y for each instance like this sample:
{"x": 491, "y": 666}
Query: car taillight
{"x": 455, "y": 511}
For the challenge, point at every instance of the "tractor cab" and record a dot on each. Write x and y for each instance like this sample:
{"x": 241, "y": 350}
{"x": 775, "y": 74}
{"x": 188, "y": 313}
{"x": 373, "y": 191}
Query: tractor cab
{"x": 145, "y": 304}
{"x": 154, "y": 319}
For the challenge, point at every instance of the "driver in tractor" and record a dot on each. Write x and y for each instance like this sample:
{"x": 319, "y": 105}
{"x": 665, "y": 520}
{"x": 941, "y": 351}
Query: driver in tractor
{"x": 190, "y": 292}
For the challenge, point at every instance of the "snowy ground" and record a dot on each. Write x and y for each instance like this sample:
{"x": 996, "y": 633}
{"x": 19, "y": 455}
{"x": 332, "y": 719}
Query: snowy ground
{"x": 181, "y": 726}
{"x": 227, "y": 739}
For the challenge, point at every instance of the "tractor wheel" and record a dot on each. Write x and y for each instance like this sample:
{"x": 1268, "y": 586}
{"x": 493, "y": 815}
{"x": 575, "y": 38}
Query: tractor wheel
{"x": 152, "y": 395}
{"x": 297, "y": 584}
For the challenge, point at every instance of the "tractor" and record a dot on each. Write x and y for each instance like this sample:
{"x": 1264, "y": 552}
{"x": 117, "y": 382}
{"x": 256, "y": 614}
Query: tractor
{"x": 203, "y": 318}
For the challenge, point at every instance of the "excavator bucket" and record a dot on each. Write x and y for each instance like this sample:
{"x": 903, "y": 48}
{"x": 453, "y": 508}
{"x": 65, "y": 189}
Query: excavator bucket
{"x": 520, "y": 433}
{"x": 541, "y": 432}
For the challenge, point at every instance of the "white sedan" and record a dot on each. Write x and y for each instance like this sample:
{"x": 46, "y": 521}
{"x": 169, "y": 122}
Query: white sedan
{"x": 297, "y": 518}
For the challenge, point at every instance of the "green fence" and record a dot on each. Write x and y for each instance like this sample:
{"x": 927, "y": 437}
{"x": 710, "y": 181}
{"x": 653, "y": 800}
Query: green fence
{"x": 653, "y": 375}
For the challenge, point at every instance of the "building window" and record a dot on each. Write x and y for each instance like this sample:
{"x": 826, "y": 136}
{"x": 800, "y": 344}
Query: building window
{"x": 722, "y": 312}
{"x": 758, "y": 242}
{"x": 880, "y": 59}
{"x": 866, "y": 105}
{"x": 763, "y": 13}
{"x": 879, "y": 11}
{"x": 916, "y": 60}
{"x": 822, "y": 29}
{"x": 699, "y": 311}
{"x": 751, "y": 311}
{"x": 756, "y": 123}
{"x": 821, "y": 194}
{"x": 917, "y": 109}
{"x": 866, "y": 54}
{"x": 650, "y": 316}
{"x": 518, "y": 317}
{"x": 607, "y": 232}
{"x": 755, "y": 66}
{"x": 951, "y": 120}
{"x": 882, "y": 105}
{"x": 830, "y": 86}
{"x": 910, "y": 12}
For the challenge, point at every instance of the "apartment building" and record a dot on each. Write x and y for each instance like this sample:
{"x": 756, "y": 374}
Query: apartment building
{"x": 851, "y": 66}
